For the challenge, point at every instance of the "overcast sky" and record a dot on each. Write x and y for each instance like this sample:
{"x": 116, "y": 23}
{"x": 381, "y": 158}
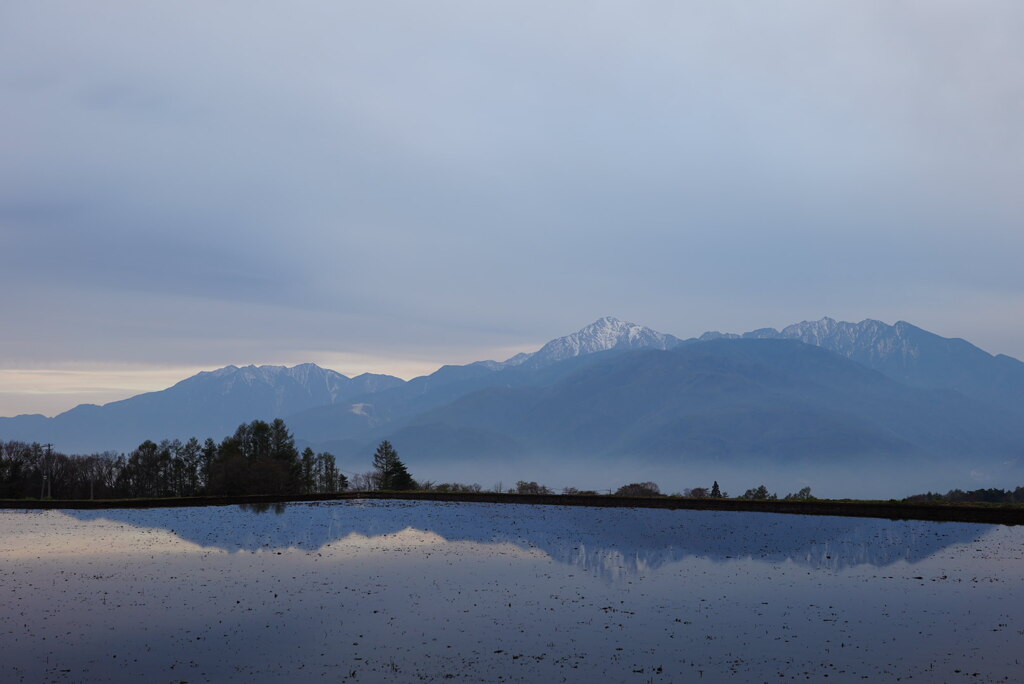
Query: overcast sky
{"x": 391, "y": 186}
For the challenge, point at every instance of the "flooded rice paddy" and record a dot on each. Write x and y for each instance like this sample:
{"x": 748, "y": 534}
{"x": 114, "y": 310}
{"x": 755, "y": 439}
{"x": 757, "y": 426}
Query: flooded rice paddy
{"x": 408, "y": 591}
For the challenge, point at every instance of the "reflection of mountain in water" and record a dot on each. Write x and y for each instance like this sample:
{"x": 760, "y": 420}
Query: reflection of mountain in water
{"x": 610, "y": 542}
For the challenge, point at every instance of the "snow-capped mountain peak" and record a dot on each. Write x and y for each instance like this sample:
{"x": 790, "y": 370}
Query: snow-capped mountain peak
{"x": 908, "y": 354}
{"x": 603, "y": 334}
{"x": 306, "y": 379}
{"x": 868, "y": 339}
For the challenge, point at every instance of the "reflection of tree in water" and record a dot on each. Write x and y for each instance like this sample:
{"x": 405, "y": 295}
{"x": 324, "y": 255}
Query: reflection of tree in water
{"x": 278, "y": 507}
{"x": 611, "y": 542}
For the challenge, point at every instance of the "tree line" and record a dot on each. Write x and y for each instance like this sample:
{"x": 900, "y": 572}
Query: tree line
{"x": 259, "y": 458}
{"x": 1011, "y": 496}
{"x": 635, "y": 489}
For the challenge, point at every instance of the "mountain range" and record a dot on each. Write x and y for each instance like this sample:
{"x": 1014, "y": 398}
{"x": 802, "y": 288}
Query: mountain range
{"x": 911, "y": 355}
{"x": 209, "y": 404}
{"x": 816, "y": 392}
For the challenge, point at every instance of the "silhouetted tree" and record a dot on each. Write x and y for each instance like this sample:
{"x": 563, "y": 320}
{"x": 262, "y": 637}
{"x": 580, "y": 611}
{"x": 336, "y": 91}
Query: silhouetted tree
{"x": 307, "y": 477}
{"x": 523, "y": 487}
{"x": 639, "y": 489}
{"x": 229, "y": 472}
{"x": 259, "y": 457}
{"x": 573, "y": 491}
{"x": 364, "y": 482}
{"x": 716, "y": 492}
{"x": 449, "y": 487}
{"x": 976, "y": 495}
{"x": 206, "y": 458}
{"x": 141, "y": 475}
{"x": 391, "y": 473}
{"x": 329, "y": 478}
{"x": 16, "y": 470}
{"x": 190, "y": 455}
{"x": 803, "y": 495}
{"x": 760, "y": 492}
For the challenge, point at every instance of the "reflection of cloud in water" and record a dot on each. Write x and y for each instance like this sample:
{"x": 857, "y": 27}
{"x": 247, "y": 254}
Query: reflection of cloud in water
{"x": 614, "y": 543}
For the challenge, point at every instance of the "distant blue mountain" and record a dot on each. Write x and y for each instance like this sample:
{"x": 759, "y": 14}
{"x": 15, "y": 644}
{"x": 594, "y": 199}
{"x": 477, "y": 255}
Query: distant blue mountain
{"x": 604, "y": 334}
{"x": 822, "y": 392}
{"x": 727, "y": 400}
{"x": 605, "y": 337}
{"x": 210, "y": 404}
{"x": 911, "y": 355}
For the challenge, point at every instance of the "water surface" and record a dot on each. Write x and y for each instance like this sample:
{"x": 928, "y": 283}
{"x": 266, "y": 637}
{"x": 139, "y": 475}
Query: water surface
{"x": 406, "y": 591}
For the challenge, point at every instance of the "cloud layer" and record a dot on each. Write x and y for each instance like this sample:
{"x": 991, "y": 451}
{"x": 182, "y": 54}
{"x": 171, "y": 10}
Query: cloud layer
{"x": 194, "y": 184}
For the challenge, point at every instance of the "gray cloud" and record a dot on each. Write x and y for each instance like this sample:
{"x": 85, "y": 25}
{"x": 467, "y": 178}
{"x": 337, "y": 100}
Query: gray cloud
{"x": 187, "y": 183}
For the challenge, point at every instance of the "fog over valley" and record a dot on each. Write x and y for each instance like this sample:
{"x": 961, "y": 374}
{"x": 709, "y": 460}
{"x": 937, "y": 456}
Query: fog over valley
{"x": 851, "y": 409}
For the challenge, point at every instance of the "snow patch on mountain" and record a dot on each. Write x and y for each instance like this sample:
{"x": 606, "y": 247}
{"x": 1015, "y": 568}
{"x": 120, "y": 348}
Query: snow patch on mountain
{"x": 307, "y": 379}
{"x": 867, "y": 341}
{"x": 517, "y": 360}
{"x": 715, "y": 335}
{"x": 603, "y": 334}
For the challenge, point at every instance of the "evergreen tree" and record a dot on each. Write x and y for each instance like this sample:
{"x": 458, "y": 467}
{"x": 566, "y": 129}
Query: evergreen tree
{"x": 639, "y": 489}
{"x": 330, "y": 473}
{"x": 308, "y": 478}
{"x": 391, "y": 473}
{"x": 282, "y": 443}
{"x": 803, "y": 495}
{"x": 191, "y": 458}
{"x": 761, "y": 493}
{"x": 207, "y": 458}
{"x": 716, "y": 492}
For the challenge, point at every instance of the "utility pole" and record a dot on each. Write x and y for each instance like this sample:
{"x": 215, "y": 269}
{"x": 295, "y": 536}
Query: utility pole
{"x": 49, "y": 464}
